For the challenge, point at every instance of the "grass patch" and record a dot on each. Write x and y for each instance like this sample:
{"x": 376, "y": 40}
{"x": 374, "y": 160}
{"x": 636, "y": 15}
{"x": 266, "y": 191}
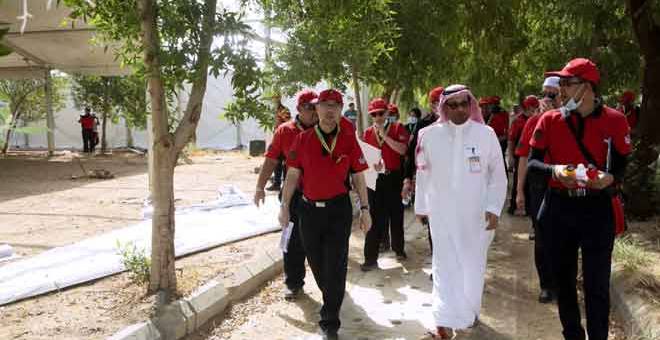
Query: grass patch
{"x": 630, "y": 254}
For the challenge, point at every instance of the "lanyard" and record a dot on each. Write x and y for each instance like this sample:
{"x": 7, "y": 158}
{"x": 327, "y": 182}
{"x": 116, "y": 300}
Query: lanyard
{"x": 327, "y": 148}
{"x": 379, "y": 139}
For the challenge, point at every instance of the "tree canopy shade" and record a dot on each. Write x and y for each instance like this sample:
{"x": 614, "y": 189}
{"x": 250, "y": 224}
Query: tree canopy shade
{"x": 171, "y": 43}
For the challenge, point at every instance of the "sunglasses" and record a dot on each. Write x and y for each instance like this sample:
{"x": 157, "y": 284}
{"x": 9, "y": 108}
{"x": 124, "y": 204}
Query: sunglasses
{"x": 456, "y": 105}
{"x": 550, "y": 95}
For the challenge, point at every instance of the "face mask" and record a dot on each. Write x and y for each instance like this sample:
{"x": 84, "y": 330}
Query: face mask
{"x": 412, "y": 120}
{"x": 391, "y": 119}
{"x": 571, "y": 104}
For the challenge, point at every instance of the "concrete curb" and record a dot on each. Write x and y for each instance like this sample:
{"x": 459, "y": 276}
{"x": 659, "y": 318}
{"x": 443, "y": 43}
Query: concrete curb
{"x": 185, "y": 316}
{"x": 630, "y": 307}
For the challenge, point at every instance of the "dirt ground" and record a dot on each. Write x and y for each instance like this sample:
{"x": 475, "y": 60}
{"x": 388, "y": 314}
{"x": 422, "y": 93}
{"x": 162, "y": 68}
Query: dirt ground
{"x": 41, "y": 207}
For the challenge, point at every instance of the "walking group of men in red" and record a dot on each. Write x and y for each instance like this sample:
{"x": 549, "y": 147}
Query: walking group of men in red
{"x": 567, "y": 151}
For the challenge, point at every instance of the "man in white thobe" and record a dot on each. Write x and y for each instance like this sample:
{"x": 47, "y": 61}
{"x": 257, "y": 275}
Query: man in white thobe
{"x": 461, "y": 188}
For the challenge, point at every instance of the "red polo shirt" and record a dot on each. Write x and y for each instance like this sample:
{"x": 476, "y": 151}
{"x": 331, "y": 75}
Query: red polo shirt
{"x": 87, "y": 122}
{"x": 324, "y": 176}
{"x": 283, "y": 139}
{"x": 391, "y": 158}
{"x": 515, "y": 131}
{"x": 522, "y": 149}
{"x": 500, "y": 123}
{"x": 553, "y": 135}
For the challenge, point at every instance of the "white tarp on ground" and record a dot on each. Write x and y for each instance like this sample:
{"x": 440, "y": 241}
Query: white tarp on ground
{"x": 232, "y": 217}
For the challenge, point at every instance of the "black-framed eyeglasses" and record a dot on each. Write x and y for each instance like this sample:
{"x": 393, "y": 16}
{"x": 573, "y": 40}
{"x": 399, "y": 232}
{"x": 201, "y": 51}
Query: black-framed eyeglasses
{"x": 456, "y": 105}
{"x": 564, "y": 82}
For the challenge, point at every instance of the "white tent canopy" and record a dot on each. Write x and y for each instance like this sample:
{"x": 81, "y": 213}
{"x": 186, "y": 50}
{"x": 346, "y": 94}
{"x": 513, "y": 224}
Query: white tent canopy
{"x": 51, "y": 40}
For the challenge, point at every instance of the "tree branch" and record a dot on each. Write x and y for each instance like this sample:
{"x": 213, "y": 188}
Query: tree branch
{"x": 188, "y": 124}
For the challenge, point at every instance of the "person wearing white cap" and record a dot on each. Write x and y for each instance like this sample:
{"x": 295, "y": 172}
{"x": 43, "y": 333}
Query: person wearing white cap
{"x": 551, "y": 98}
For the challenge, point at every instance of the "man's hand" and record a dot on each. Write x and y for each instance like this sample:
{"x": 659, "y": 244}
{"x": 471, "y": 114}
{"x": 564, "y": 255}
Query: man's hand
{"x": 259, "y": 196}
{"x": 601, "y": 182}
{"x": 284, "y": 216}
{"x": 492, "y": 220}
{"x": 378, "y": 166}
{"x": 408, "y": 188}
{"x": 520, "y": 203}
{"x": 546, "y": 105}
{"x": 365, "y": 221}
{"x": 560, "y": 174}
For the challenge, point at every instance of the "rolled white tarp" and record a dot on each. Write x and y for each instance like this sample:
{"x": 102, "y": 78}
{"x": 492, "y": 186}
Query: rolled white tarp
{"x": 230, "y": 218}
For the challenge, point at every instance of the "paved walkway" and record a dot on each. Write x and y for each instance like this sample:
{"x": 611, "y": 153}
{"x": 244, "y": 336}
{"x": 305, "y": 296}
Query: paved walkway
{"x": 394, "y": 301}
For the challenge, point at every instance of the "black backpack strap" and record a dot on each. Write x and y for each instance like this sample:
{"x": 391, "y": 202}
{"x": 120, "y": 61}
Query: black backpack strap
{"x": 578, "y": 134}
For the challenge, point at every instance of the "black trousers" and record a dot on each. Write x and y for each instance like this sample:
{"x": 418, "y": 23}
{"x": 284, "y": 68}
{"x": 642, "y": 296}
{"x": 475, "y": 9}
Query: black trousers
{"x": 294, "y": 258}
{"x": 88, "y": 140}
{"x": 325, "y": 232}
{"x": 514, "y": 186}
{"x": 534, "y": 192}
{"x": 586, "y": 224}
{"x": 386, "y": 212}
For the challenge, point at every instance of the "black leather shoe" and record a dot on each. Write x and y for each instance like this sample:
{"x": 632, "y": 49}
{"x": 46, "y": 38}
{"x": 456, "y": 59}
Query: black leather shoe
{"x": 365, "y": 267}
{"x": 546, "y": 296}
{"x": 292, "y": 294}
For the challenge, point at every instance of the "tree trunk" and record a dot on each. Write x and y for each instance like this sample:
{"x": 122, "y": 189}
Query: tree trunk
{"x": 166, "y": 146}
{"x": 10, "y": 128}
{"x": 129, "y": 134}
{"x": 162, "y": 278}
{"x": 358, "y": 100}
{"x": 642, "y": 198}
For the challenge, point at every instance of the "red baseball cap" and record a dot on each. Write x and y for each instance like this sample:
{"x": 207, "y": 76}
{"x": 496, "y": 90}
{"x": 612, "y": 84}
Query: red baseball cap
{"x": 485, "y": 101}
{"x": 393, "y": 108}
{"x": 435, "y": 93}
{"x": 377, "y": 105}
{"x": 306, "y": 96}
{"x": 627, "y": 97}
{"x": 328, "y": 95}
{"x": 530, "y": 101}
{"x": 582, "y": 68}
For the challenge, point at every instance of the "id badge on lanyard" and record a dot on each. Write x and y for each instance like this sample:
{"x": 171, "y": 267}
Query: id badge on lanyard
{"x": 474, "y": 161}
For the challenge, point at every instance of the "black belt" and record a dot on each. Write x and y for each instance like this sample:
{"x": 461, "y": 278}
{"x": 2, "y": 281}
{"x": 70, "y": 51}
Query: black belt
{"x": 325, "y": 203}
{"x": 578, "y": 192}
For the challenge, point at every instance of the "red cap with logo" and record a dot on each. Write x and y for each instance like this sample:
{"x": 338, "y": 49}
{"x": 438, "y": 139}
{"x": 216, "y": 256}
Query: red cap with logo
{"x": 627, "y": 97}
{"x": 377, "y": 105}
{"x": 530, "y": 102}
{"x": 306, "y": 96}
{"x": 582, "y": 68}
{"x": 393, "y": 108}
{"x": 328, "y": 95}
{"x": 435, "y": 94}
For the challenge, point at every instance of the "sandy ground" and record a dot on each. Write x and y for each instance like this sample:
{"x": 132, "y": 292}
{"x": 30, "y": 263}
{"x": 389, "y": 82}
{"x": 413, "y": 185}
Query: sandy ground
{"x": 41, "y": 208}
{"x": 393, "y": 302}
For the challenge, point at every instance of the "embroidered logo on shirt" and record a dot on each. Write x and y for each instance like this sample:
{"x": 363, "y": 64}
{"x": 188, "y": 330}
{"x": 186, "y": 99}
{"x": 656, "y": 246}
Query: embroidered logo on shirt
{"x": 538, "y": 134}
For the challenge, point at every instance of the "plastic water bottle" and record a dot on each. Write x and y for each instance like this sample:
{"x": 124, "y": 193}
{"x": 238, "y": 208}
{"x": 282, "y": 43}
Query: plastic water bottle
{"x": 581, "y": 175}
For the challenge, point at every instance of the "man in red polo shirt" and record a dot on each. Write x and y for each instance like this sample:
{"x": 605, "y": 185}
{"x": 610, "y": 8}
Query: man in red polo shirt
{"x": 577, "y": 213}
{"x": 496, "y": 118}
{"x": 87, "y": 122}
{"x": 321, "y": 159}
{"x": 530, "y": 106}
{"x": 385, "y": 201}
{"x": 629, "y": 109}
{"x": 294, "y": 257}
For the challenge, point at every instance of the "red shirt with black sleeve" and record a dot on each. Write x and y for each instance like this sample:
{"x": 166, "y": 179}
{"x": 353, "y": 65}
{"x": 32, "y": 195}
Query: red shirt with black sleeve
{"x": 283, "y": 139}
{"x": 553, "y": 135}
{"x": 324, "y": 175}
{"x": 500, "y": 123}
{"x": 87, "y": 122}
{"x": 515, "y": 131}
{"x": 391, "y": 158}
{"x": 522, "y": 148}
